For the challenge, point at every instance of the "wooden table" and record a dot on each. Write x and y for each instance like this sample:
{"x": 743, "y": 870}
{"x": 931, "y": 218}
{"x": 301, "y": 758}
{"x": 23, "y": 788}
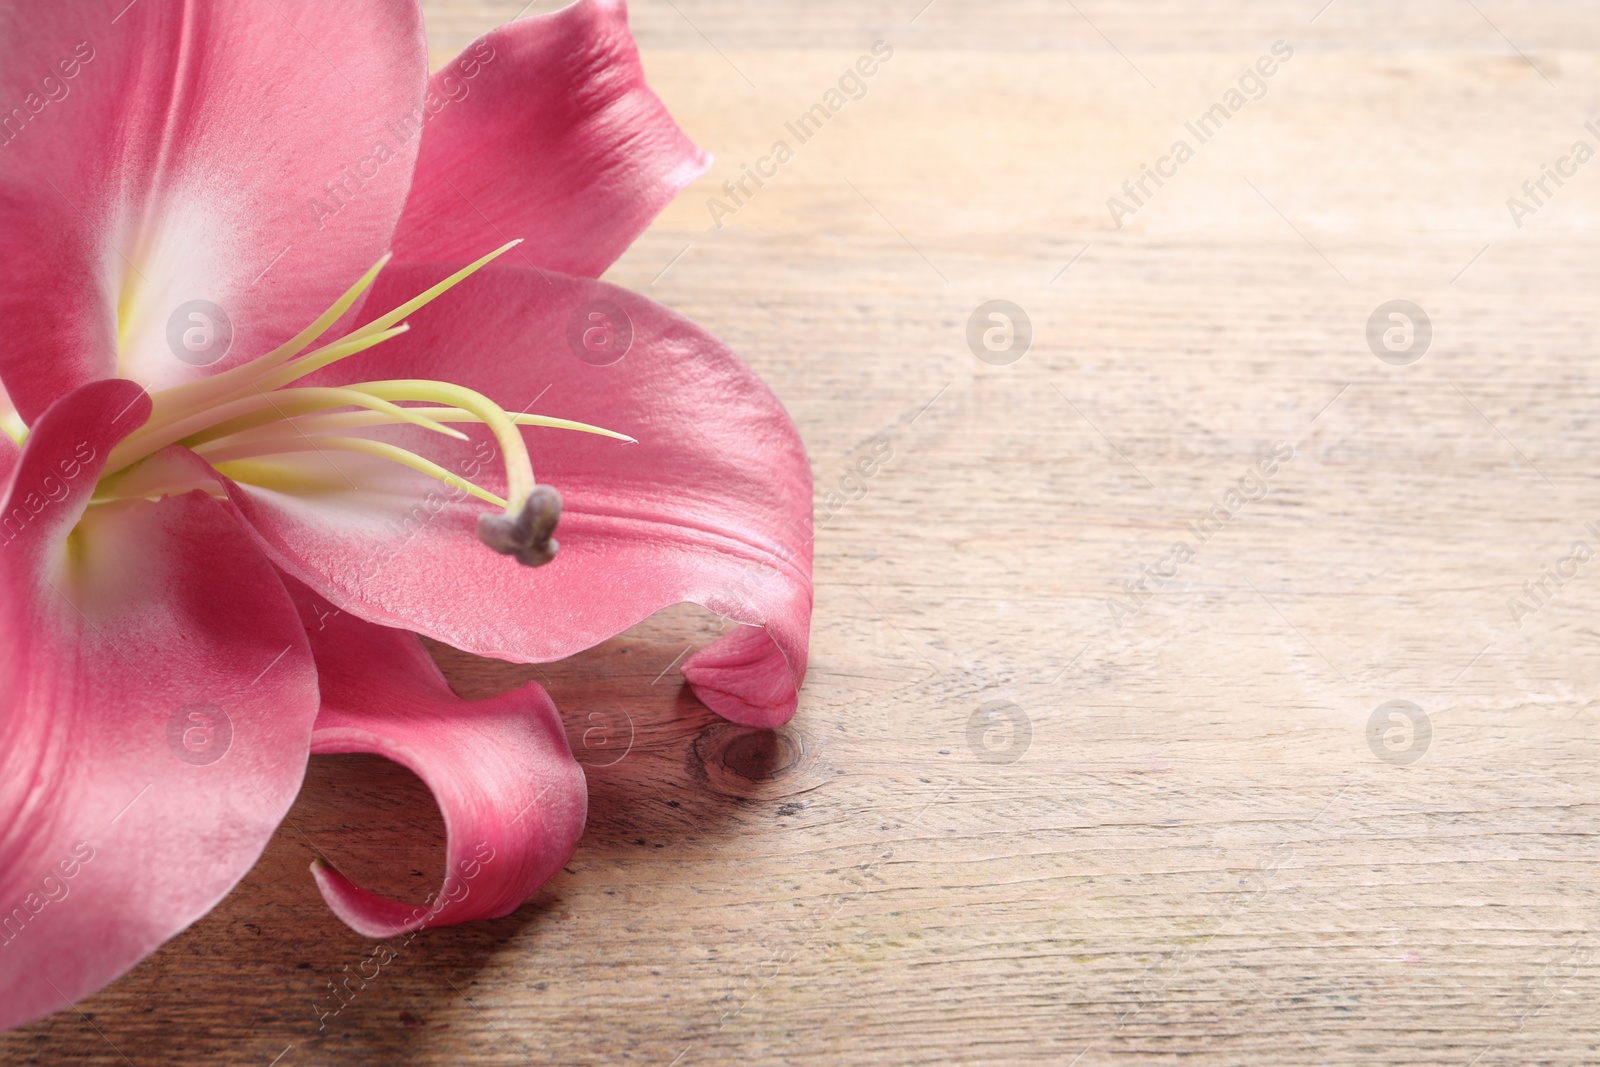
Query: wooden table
{"x": 1026, "y": 813}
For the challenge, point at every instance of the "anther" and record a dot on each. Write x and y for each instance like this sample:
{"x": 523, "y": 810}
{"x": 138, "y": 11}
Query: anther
{"x": 525, "y": 535}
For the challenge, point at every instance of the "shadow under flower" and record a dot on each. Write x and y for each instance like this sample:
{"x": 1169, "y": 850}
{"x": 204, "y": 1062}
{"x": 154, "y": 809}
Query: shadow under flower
{"x": 666, "y": 776}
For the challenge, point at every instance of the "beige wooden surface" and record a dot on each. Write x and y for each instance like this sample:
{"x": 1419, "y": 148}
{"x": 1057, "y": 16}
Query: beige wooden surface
{"x": 1198, "y": 857}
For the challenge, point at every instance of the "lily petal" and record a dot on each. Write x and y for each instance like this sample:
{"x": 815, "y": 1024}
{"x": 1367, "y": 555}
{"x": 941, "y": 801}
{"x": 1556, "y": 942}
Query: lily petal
{"x": 512, "y": 796}
{"x": 545, "y": 129}
{"x": 712, "y": 506}
{"x": 156, "y": 705}
{"x": 236, "y": 161}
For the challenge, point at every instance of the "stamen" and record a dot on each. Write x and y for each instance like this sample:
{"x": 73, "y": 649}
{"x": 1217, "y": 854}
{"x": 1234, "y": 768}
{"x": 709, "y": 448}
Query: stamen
{"x": 383, "y": 322}
{"x": 169, "y": 416}
{"x": 216, "y": 386}
{"x": 323, "y": 422}
{"x": 239, "y": 419}
{"x": 519, "y": 468}
{"x": 315, "y": 361}
{"x": 218, "y": 454}
{"x": 143, "y": 442}
{"x": 152, "y": 481}
{"x": 14, "y": 427}
{"x": 527, "y": 534}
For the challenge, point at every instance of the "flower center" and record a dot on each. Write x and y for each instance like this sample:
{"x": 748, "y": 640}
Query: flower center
{"x": 241, "y": 419}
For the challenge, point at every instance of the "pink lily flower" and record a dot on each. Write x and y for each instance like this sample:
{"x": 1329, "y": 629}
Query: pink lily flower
{"x": 244, "y": 465}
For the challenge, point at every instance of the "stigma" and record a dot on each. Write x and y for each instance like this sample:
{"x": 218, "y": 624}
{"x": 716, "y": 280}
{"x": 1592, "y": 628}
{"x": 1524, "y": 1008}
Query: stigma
{"x": 527, "y": 536}
{"x": 243, "y": 418}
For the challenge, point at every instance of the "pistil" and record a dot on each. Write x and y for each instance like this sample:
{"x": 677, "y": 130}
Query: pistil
{"x": 254, "y": 411}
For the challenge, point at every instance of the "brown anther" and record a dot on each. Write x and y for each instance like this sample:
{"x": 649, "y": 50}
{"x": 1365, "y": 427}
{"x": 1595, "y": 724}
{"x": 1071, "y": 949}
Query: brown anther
{"x": 525, "y": 535}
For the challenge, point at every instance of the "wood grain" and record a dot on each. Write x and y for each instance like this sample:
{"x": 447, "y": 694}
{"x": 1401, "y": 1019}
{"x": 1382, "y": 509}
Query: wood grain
{"x": 1188, "y": 851}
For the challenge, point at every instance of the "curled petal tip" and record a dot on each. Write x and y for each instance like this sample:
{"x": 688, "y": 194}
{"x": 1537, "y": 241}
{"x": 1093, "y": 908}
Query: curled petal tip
{"x": 527, "y": 534}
